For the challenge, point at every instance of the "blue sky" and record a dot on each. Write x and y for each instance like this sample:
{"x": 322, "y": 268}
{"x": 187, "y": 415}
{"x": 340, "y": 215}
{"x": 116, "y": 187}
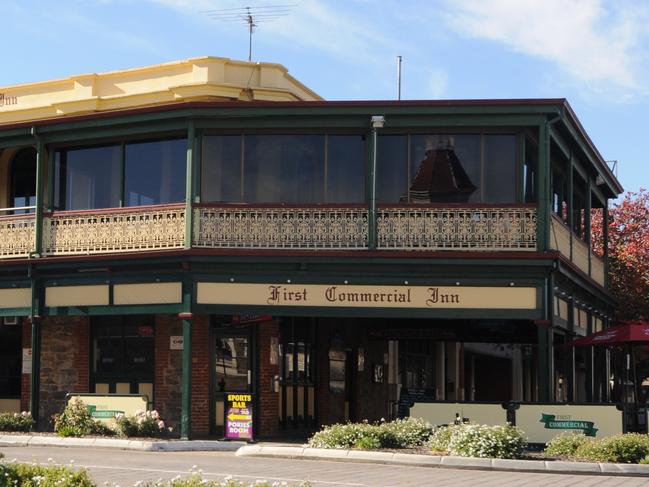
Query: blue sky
{"x": 595, "y": 53}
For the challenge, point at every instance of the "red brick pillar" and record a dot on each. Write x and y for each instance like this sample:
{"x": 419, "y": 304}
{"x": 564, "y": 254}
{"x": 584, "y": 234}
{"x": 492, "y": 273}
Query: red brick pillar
{"x": 267, "y": 398}
{"x": 200, "y": 397}
{"x": 25, "y": 378}
{"x": 82, "y": 358}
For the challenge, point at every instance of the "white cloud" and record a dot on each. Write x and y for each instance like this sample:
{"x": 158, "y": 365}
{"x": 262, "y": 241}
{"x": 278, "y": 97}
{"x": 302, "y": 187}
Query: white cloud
{"x": 437, "y": 83}
{"x": 599, "y": 45}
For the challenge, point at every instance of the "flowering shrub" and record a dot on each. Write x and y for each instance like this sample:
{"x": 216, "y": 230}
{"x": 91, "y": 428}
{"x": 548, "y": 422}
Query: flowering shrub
{"x": 195, "y": 479}
{"x": 482, "y": 441}
{"x": 566, "y": 444}
{"x": 76, "y": 420}
{"x": 16, "y": 421}
{"x": 402, "y": 433}
{"x": 143, "y": 423}
{"x": 626, "y": 448}
{"x": 32, "y": 475}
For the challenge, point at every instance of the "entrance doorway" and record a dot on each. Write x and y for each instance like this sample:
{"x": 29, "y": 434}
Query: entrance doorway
{"x": 297, "y": 401}
{"x": 232, "y": 368}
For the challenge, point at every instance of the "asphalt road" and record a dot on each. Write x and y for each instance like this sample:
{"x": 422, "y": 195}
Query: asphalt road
{"x": 124, "y": 468}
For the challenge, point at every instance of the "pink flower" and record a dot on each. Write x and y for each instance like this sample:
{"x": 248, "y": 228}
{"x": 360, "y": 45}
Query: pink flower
{"x": 161, "y": 424}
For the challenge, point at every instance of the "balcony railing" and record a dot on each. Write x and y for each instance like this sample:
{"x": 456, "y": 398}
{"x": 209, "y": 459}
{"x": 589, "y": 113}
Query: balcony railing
{"x": 17, "y": 235}
{"x": 290, "y": 227}
{"x": 114, "y": 230}
{"x": 457, "y": 228}
{"x": 275, "y": 227}
{"x": 576, "y": 250}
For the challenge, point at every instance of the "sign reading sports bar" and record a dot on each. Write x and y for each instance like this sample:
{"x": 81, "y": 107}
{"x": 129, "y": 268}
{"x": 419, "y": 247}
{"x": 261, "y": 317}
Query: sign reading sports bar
{"x": 238, "y": 416}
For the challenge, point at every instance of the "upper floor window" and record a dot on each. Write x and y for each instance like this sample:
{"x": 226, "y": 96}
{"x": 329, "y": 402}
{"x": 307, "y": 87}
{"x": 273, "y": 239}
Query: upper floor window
{"x": 129, "y": 174}
{"x": 23, "y": 180}
{"x": 446, "y": 168}
{"x": 283, "y": 168}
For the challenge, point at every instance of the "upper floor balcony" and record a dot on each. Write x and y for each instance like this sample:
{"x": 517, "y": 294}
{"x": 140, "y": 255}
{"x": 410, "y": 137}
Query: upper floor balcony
{"x": 274, "y": 191}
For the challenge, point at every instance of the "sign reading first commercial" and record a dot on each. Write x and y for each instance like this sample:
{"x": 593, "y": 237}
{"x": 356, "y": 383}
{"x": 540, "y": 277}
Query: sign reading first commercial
{"x": 322, "y": 295}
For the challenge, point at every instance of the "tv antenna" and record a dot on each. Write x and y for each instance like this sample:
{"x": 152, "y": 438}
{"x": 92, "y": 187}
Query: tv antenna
{"x": 252, "y": 16}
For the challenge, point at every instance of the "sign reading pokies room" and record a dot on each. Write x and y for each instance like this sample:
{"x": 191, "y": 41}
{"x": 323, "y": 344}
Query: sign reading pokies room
{"x": 238, "y": 416}
{"x": 458, "y": 297}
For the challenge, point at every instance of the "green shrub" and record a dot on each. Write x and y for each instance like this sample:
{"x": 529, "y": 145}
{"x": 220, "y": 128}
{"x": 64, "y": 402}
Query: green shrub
{"x": 626, "y": 448}
{"x": 406, "y": 433}
{"x": 566, "y": 444}
{"x": 16, "y": 421}
{"x": 76, "y": 420}
{"x": 482, "y": 441}
{"x": 142, "y": 423}
{"x": 28, "y": 475}
{"x": 402, "y": 433}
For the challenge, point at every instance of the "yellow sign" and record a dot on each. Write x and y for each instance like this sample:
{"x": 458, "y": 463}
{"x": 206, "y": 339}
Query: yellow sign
{"x": 106, "y": 406}
{"x": 353, "y": 296}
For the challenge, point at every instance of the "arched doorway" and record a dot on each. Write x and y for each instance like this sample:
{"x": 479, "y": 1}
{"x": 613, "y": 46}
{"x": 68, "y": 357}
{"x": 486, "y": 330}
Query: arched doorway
{"x": 22, "y": 178}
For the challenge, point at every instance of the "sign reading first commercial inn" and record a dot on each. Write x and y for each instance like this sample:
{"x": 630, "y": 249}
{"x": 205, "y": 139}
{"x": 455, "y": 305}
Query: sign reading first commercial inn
{"x": 322, "y": 295}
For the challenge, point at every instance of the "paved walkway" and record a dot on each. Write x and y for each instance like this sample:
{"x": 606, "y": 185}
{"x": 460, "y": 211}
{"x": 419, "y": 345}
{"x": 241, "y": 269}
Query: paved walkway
{"x": 124, "y": 468}
{"x": 296, "y": 451}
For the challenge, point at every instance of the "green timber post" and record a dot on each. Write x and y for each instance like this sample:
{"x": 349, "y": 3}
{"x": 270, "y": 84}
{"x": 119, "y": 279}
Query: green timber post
{"x": 587, "y": 229}
{"x": 372, "y": 213}
{"x": 38, "y": 216}
{"x": 35, "y": 378}
{"x": 189, "y": 185}
{"x": 545, "y": 358}
{"x": 543, "y": 217}
{"x": 571, "y": 200}
{"x": 186, "y": 402}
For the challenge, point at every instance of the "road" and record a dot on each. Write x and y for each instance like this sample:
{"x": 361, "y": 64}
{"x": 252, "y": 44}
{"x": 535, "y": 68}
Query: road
{"x": 124, "y": 468}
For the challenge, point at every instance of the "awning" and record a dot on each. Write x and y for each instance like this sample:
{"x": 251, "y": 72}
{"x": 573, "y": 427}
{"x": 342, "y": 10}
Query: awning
{"x": 628, "y": 332}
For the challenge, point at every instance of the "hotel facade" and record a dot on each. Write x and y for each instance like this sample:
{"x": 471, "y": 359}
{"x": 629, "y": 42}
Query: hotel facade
{"x": 210, "y": 226}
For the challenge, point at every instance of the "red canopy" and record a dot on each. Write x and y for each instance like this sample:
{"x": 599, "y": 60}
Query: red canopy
{"x": 629, "y": 332}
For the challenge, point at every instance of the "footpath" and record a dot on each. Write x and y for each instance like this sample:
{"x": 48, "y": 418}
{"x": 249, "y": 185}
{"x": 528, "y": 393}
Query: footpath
{"x": 294, "y": 452}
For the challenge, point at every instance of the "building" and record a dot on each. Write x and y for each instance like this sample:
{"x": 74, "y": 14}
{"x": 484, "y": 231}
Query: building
{"x": 211, "y": 226}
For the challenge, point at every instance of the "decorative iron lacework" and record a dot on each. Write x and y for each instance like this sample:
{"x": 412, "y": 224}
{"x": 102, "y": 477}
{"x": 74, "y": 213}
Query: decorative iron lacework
{"x": 281, "y": 228}
{"x": 457, "y": 228}
{"x": 94, "y": 233}
{"x": 16, "y": 236}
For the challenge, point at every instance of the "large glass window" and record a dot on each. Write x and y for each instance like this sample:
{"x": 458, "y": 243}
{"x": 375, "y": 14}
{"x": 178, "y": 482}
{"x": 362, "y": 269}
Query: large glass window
{"x": 499, "y": 168}
{"x": 123, "y": 348}
{"x": 155, "y": 172}
{"x": 87, "y": 178}
{"x": 283, "y": 168}
{"x": 392, "y": 168}
{"x": 109, "y": 176}
{"x": 530, "y": 168}
{"x": 221, "y": 179}
{"x": 23, "y": 180}
{"x": 446, "y": 168}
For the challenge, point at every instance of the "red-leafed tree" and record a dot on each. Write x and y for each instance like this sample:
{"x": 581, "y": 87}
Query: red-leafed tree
{"x": 628, "y": 250}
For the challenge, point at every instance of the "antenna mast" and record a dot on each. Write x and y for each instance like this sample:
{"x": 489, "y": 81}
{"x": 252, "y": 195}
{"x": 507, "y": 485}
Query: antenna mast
{"x": 252, "y": 16}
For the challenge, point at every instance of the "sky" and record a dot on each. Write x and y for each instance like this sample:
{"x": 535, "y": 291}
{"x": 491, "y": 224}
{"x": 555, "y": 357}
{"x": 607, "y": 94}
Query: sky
{"x": 595, "y": 53}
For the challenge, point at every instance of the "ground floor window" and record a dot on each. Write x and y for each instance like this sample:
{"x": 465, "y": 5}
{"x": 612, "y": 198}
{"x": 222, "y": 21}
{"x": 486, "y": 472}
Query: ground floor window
{"x": 122, "y": 360}
{"x": 10, "y": 360}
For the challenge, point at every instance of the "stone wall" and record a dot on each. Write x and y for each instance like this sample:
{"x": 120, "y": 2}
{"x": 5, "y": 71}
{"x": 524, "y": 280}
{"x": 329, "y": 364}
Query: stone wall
{"x": 64, "y": 363}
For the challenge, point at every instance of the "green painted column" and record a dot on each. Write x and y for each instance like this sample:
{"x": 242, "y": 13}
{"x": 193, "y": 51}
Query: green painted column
{"x": 35, "y": 378}
{"x": 587, "y": 232}
{"x": 605, "y": 224}
{"x": 186, "y": 316}
{"x": 189, "y": 185}
{"x": 38, "y": 217}
{"x": 545, "y": 353}
{"x": 372, "y": 213}
{"x": 186, "y": 412}
{"x": 571, "y": 200}
{"x": 543, "y": 189}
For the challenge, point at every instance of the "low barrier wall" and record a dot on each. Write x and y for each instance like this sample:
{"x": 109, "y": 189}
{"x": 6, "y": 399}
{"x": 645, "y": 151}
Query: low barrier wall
{"x": 105, "y": 406}
{"x": 540, "y": 421}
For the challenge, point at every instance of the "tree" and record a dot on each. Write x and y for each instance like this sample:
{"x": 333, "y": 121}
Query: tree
{"x": 628, "y": 250}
